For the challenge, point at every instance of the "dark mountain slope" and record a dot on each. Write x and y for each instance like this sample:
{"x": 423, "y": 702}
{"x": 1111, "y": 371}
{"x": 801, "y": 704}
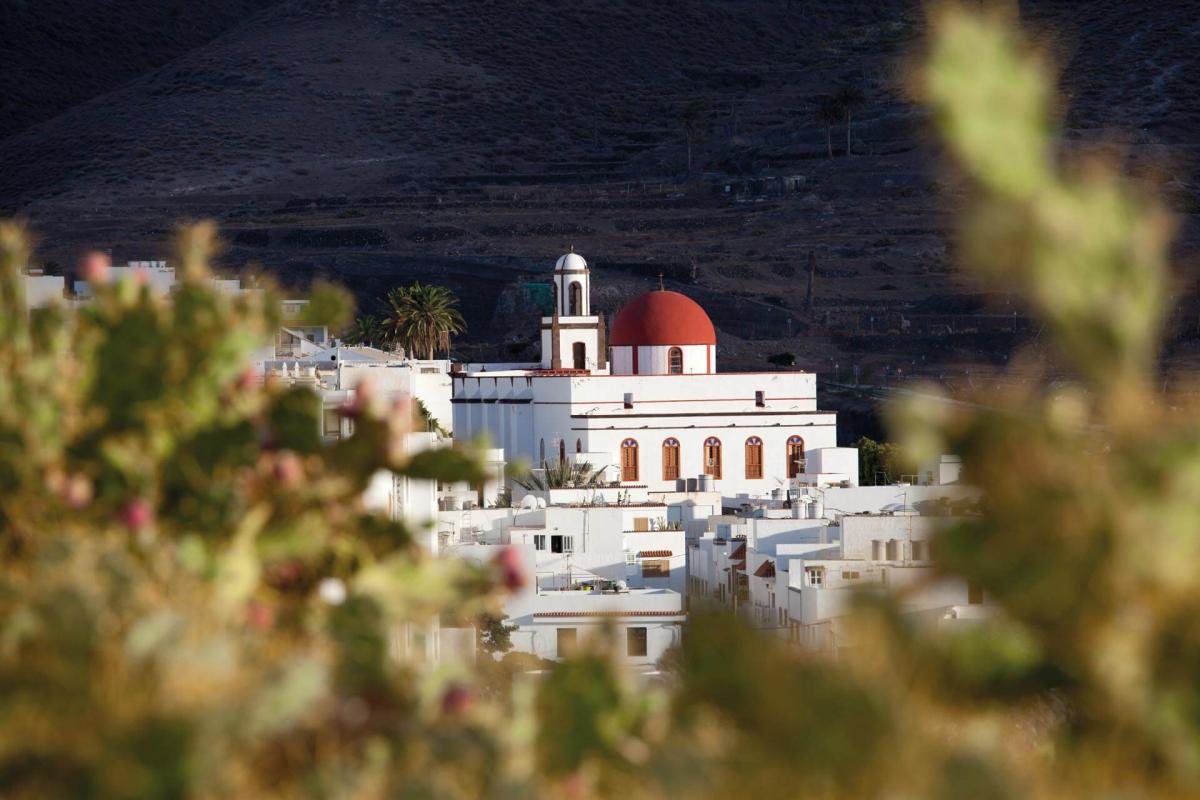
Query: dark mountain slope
{"x": 59, "y": 53}
{"x": 358, "y": 93}
{"x": 380, "y": 140}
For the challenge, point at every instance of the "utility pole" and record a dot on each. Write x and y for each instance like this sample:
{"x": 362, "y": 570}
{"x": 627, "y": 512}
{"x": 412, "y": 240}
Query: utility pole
{"x": 812, "y": 274}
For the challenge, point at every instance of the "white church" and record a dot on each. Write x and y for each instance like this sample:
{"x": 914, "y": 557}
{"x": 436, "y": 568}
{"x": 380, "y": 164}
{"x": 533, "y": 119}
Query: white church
{"x": 646, "y": 401}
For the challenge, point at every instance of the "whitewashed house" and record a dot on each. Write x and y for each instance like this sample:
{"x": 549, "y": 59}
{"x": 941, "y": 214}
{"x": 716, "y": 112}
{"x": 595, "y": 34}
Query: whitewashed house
{"x": 41, "y": 290}
{"x": 157, "y": 276}
{"x": 876, "y": 552}
{"x": 596, "y": 558}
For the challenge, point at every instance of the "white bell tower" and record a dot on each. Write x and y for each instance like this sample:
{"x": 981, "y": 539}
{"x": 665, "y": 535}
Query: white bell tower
{"x": 572, "y": 337}
{"x": 572, "y": 291}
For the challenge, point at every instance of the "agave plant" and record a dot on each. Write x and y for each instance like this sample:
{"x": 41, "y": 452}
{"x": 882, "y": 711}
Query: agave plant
{"x": 561, "y": 474}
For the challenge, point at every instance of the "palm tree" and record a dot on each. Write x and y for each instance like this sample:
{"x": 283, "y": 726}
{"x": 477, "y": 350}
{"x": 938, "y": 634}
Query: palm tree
{"x": 368, "y": 330}
{"x": 850, "y": 99}
{"x": 828, "y": 113}
{"x": 421, "y": 318}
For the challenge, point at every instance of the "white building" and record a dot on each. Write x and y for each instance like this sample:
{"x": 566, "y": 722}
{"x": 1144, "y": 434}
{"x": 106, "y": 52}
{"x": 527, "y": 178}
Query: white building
{"x": 41, "y": 290}
{"x": 388, "y": 373}
{"x": 595, "y": 557}
{"x": 650, "y": 402}
{"x": 156, "y": 275}
{"x": 742, "y": 560}
{"x": 806, "y": 591}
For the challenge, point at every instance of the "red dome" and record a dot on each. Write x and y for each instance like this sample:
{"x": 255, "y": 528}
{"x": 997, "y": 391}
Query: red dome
{"x": 662, "y": 318}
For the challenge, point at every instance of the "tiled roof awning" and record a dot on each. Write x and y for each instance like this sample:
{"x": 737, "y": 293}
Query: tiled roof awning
{"x": 765, "y": 570}
{"x": 654, "y": 554}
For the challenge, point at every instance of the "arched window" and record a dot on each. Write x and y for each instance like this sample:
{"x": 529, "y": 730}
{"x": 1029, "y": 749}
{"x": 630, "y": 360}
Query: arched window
{"x": 579, "y": 355}
{"x": 629, "y": 460}
{"x": 712, "y": 457}
{"x": 542, "y": 451}
{"x": 795, "y": 456}
{"x": 579, "y": 445}
{"x": 554, "y": 298}
{"x": 675, "y": 361}
{"x": 670, "y": 459}
{"x": 562, "y": 451}
{"x": 575, "y": 300}
{"x": 754, "y": 458}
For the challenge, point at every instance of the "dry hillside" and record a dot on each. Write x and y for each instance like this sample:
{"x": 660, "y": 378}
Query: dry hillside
{"x": 380, "y": 140}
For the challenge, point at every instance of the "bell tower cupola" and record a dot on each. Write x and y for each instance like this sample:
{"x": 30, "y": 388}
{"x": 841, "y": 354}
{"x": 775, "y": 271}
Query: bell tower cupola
{"x": 572, "y": 336}
{"x": 572, "y": 290}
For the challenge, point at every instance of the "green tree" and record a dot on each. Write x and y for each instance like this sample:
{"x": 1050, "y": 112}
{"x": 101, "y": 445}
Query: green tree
{"x": 422, "y": 318}
{"x": 881, "y": 462}
{"x": 367, "y": 330}
{"x": 849, "y": 100}
{"x": 493, "y": 635}
{"x": 828, "y": 113}
{"x": 782, "y": 359}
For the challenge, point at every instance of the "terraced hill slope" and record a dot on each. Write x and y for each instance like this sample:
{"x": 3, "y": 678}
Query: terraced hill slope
{"x": 381, "y": 140}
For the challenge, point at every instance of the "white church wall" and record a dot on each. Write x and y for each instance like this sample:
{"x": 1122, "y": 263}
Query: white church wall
{"x": 691, "y": 437}
{"x": 568, "y": 336}
{"x": 697, "y": 359}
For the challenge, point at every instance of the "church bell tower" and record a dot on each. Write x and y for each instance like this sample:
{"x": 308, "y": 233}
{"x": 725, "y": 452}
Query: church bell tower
{"x": 571, "y": 335}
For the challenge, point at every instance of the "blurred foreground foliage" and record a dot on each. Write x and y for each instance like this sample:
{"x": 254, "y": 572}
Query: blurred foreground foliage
{"x": 170, "y": 532}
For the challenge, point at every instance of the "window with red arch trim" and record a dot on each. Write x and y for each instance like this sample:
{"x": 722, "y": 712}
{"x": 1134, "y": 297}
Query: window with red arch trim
{"x": 629, "y": 460}
{"x": 712, "y": 457}
{"x": 795, "y": 456}
{"x": 754, "y": 458}
{"x": 670, "y": 459}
